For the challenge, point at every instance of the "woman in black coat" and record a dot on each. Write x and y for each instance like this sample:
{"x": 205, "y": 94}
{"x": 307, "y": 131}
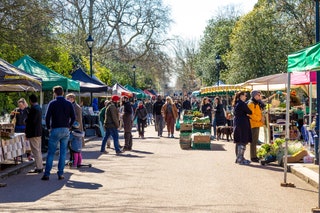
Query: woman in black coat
{"x": 206, "y": 108}
{"x": 242, "y": 129}
{"x": 219, "y": 115}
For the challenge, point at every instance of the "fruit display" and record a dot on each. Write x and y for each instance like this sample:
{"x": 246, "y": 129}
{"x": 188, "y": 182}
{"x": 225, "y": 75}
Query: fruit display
{"x": 197, "y": 114}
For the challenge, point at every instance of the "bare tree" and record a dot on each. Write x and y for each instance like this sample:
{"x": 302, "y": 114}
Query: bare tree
{"x": 123, "y": 29}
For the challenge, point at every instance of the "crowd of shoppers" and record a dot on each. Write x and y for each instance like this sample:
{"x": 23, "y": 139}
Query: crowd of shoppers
{"x": 63, "y": 113}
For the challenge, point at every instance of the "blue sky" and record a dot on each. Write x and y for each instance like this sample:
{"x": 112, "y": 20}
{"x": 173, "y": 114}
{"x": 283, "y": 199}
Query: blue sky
{"x": 191, "y": 16}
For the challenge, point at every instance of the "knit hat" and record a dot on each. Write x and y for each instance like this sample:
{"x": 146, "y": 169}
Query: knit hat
{"x": 293, "y": 93}
{"x": 115, "y": 98}
{"x": 254, "y": 93}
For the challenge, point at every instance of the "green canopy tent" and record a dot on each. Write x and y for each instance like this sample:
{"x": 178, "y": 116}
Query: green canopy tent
{"x": 143, "y": 93}
{"x": 307, "y": 59}
{"x": 49, "y": 77}
{"x": 139, "y": 95}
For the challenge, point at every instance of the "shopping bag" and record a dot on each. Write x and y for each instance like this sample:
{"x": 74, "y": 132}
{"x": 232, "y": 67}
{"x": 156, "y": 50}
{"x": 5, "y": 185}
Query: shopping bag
{"x": 177, "y": 125}
{"x": 275, "y": 102}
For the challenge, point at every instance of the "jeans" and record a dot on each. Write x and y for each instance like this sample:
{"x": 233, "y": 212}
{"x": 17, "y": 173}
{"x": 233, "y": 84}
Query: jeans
{"x": 102, "y": 129}
{"x": 113, "y": 132}
{"x": 214, "y": 124}
{"x": 141, "y": 124}
{"x": 159, "y": 124}
{"x": 149, "y": 118}
{"x": 60, "y": 135}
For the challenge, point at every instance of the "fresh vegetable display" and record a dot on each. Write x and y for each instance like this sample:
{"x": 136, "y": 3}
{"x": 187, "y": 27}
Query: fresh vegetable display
{"x": 203, "y": 120}
{"x": 275, "y": 151}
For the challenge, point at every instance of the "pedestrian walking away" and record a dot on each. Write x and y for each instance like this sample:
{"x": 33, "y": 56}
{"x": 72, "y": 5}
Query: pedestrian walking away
{"x": 242, "y": 130}
{"x": 149, "y": 108}
{"x": 59, "y": 118}
{"x": 127, "y": 123}
{"x": 111, "y": 124}
{"x": 159, "y": 123}
{"x": 34, "y": 132}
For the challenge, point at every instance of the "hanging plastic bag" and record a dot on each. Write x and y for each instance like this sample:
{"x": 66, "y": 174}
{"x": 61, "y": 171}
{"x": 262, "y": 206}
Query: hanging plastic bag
{"x": 177, "y": 125}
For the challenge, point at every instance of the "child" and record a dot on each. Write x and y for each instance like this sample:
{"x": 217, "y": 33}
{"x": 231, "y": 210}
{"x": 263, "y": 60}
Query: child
{"x": 76, "y": 146}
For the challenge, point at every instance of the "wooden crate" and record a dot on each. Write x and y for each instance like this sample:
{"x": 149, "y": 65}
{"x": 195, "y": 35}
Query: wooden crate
{"x": 201, "y": 126}
{"x": 185, "y": 127}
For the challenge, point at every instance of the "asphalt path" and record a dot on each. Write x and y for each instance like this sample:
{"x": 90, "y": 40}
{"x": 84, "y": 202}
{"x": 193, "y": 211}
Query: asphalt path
{"x": 158, "y": 176}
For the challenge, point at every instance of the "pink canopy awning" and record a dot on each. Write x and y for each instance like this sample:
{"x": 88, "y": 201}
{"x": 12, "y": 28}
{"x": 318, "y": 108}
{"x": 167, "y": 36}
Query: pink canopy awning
{"x": 303, "y": 78}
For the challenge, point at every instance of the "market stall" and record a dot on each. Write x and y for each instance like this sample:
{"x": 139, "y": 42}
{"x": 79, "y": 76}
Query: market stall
{"x": 225, "y": 89}
{"x": 195, "y": 131}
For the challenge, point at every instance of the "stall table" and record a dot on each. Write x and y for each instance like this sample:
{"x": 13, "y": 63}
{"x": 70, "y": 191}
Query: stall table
{"x": 13, "y": 147}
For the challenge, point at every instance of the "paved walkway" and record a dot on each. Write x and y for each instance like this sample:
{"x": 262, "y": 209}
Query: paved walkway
{"x": 157, "y": 176}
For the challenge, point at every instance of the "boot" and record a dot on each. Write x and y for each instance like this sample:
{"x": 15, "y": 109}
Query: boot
{"x": 240, "y": 156}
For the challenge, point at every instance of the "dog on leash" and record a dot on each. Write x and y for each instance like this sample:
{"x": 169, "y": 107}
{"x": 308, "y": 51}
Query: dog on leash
{"x": 224, "y": 131}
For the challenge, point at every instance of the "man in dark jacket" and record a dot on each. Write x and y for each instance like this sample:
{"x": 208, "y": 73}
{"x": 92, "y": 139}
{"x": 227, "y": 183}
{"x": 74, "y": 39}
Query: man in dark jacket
{"x": 111, "y": 123}
{"x": 186, "y": 104}
{"x": 158, "y": 116}
{"x": 60, "y": 117}
{"x": 149, "y": 108}
{"x": 127, "y": 123}
{"x": 34, "y": 132}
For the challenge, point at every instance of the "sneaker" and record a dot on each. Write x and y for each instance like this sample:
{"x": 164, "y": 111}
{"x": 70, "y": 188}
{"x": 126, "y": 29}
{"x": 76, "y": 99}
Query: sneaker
{"x": 60, "y": 177}
{"x": 44, "y": 177}
{"x": 105, "y": 152}
{"x": 119, "y": 152}
{"x": 172, "y": 136}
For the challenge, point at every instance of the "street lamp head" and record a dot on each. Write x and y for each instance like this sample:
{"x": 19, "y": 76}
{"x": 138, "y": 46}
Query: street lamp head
{"x": 134, "y": 67}
{"x": 218, "y": 59}
{"x": 89, "y": 41}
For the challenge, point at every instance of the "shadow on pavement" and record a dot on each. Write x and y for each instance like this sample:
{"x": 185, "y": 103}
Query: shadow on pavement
{"x": 142, "y": 152}
{"x": 128, "y": 155}
{"x": 217, "y": 147}
{"x": 82, "y": 185}
{"x": 32, "y": 188}
{"x": 271, "y": 167}
{"x": 91, "y": 170}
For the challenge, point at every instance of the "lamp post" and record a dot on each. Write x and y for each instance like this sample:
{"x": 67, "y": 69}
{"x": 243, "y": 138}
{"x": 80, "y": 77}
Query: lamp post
{"x": 134, "y": 75}
{"x": 89, "y": 42}
{"x": 218, "y": 60}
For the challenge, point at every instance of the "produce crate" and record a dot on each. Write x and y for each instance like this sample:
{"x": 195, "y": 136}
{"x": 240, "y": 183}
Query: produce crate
{"x": 202, "y": 131}
{"x": 206, "y": 146}
{"x": 201, "y": 139}
{"x": 185, "y": 145}
{"x": 185, "y": 127}
{"x": 187, "y": 118}
{"x": 185, "y": 136}
{"x": 201, "y": 126}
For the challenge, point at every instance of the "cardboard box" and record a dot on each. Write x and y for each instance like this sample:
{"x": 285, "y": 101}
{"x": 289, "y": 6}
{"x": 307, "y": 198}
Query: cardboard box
{"x": 201, "y": 139}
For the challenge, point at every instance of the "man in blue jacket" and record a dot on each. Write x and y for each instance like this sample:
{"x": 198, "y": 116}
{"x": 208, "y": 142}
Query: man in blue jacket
{"x": 59, "y": 118}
